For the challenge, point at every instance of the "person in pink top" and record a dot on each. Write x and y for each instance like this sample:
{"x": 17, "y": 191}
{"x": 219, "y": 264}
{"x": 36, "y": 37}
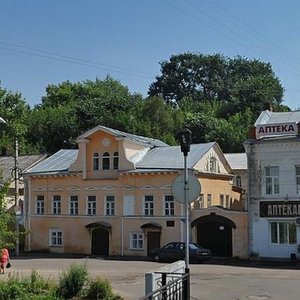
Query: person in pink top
{"x": 4, "y": 259}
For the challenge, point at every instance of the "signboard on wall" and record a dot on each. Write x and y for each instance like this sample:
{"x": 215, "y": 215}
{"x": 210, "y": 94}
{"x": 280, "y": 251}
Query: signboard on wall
{"x": 264, "y": 130}
{"x": 283, "y": 209}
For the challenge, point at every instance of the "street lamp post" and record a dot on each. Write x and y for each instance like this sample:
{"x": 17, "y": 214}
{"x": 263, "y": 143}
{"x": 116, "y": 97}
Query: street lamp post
{"x": 16, "y": 181}
{"x": 185, "y": 139}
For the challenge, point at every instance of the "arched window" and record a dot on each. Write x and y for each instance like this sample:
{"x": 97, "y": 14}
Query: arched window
{"x": 106, "y": 161}
{"x": 116, "y": 161}
{"x": 213, "y": 164}
{"x": 96, "y": 161}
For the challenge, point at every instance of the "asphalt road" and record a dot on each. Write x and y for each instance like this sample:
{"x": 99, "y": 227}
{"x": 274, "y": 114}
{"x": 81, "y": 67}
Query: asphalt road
{"x": 208, "y": 281}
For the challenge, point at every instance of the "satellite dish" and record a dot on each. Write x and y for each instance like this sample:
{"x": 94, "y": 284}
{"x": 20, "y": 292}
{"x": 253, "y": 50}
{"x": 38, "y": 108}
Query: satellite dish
{"x": 193, "y": 188}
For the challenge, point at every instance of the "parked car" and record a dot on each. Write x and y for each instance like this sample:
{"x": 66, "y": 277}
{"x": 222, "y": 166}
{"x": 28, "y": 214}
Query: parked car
{"x": 176, "y": 251}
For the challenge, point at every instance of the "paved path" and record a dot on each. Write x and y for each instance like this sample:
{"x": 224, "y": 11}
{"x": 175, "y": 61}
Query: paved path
{"x": 208, "y": 281}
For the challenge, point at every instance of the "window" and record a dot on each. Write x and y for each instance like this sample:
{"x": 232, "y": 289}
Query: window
{"x": 170, "y": 223}
{"x": 105, "y": 161}
{"x": 238, "y": 181}
{"x": 56, "y": 205}
{"x": 208, "y": 200}
{"x": 91, "y": 205}
{"x": 96, "y": 161}
{"x": 272, "y": 180}
{"x": 110, "y": 205}
{"x": 40, "y": 205}
{"x": 222, "y": 200}
{"x": 74, "y": 205}
{"x": 148, "y": 205}
{"x": 116, "y": 161}
{"x": 213, "y": 164}
{"x": 137, "y": 241}
{"x": 169, "y": 205}
{"x": 298, "y": 179}
{"x": 283, "y": 233}
{"x": 227, "y": 201}
{"x": 201, "y": 201}
{"x": 55, "y": 237}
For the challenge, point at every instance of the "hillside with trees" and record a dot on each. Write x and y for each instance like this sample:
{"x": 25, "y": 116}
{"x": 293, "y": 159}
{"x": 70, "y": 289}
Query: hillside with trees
{"x": 216, "y": 97}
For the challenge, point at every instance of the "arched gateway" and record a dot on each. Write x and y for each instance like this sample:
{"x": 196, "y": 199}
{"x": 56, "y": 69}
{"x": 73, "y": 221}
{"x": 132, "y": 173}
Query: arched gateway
{"x": 100, "y": 238}
{"x": 215, "y": 233}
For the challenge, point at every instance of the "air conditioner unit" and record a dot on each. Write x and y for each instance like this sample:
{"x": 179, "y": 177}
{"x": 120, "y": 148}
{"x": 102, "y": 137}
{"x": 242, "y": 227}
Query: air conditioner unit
{"x": 297, "y": 221}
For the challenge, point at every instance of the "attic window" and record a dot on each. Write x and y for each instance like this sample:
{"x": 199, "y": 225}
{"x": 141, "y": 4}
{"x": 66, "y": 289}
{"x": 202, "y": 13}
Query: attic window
{"x": 116, "y": 161}
{"x": 96, "y": 161}
{"x": 213, "y": 164}
{"x": 106, "y": 161}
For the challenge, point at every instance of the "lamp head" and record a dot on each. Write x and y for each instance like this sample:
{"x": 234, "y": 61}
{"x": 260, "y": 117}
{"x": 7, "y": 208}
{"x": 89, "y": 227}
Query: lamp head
{"x": 185, "y": 138}
{"x": 2, "y": 120}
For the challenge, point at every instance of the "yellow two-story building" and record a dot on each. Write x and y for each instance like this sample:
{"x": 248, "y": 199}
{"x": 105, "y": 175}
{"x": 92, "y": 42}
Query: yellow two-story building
{"x": 112, "y": 196}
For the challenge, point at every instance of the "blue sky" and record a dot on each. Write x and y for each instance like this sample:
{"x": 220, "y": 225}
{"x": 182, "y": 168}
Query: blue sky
{"x": 49, "y": 41}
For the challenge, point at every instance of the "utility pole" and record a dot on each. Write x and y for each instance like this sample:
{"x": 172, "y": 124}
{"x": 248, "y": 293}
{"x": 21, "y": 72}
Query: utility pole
{"x": 17, "y": 210}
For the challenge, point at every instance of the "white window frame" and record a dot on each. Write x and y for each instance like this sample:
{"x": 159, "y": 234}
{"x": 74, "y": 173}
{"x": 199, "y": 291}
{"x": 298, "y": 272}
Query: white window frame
{"x": 213, "y": 164}
{"x": 73, "y": 207}
{"x": 201, "y": 201}
{"x": 110, "y": 205}
{"x": 282, "y": 225}
{"x": 40, "y": 204}
{"x": 106, "y": 156}
{"x": 55, "y": 237}
{"x": 137, "y": 241}
{"x": 56, "y": 205}
{"x": 116, "y": 160}
{"x": 96, "y": 161}
{"x": 272, "y": 182}
{"x": 169, "y": 205}
{"x": 91, "y": 207}
{"x": 148, "y": 205}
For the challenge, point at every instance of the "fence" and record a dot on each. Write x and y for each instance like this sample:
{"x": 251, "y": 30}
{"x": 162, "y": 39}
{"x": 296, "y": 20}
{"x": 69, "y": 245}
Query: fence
{"x": 173, "y": 286}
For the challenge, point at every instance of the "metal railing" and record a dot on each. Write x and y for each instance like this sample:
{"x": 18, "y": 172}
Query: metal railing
{"x": 174, "y": 286}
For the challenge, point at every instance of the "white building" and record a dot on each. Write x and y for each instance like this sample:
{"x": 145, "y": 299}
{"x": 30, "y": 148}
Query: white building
{"x": 273, "y": 154}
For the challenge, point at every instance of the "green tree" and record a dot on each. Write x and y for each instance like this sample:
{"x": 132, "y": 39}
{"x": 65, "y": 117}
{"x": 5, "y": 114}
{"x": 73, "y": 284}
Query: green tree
{"x": 68, "y": 109}
{"x": 7, "y": 236}
{"x": 238, "y": 82}
{"x": 160, "y": 120}
{"x": 15, "y": 111}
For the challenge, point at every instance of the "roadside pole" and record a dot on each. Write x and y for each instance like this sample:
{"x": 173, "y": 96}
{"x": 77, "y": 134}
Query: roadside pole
{"x": 185, "y": 138}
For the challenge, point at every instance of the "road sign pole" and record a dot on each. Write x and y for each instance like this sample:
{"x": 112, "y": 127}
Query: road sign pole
{"x": 187, "y": 223}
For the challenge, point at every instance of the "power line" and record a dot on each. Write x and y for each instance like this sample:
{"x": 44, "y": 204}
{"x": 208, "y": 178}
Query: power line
{"x": 68, "y": 59}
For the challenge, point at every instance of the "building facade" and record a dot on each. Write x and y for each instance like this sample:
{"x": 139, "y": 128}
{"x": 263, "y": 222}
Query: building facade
{"x": 113, "y": 196}
{"x": 273, "y": 153}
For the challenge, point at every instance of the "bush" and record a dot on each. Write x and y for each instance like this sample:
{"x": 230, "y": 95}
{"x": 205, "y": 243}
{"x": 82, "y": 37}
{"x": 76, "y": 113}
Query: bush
{"x": 100, "y": 289}
{"x": 32, "y": 288}
{"x": 73, "y": 284}
{"x": 72, "y": 281}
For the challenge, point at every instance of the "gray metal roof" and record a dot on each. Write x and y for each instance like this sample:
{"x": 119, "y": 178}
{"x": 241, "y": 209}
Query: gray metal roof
{"x": 131, "y": 137}
{"x": 56, "y": 163}
{"x": 172, "y": 158}
{"x": 7, "y": 164}
{"x": 237, "y": 161}
{"x": 270, "y": 117}
{"x": 157, "y": 158}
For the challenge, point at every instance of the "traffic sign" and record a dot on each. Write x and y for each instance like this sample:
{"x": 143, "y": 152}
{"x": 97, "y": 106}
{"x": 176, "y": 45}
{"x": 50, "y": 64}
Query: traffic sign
{"x": 193, "y": 188}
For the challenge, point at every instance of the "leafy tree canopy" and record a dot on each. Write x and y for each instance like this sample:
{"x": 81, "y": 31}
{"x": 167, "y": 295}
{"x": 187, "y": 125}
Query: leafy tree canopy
{"x": 239, "y": 82}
